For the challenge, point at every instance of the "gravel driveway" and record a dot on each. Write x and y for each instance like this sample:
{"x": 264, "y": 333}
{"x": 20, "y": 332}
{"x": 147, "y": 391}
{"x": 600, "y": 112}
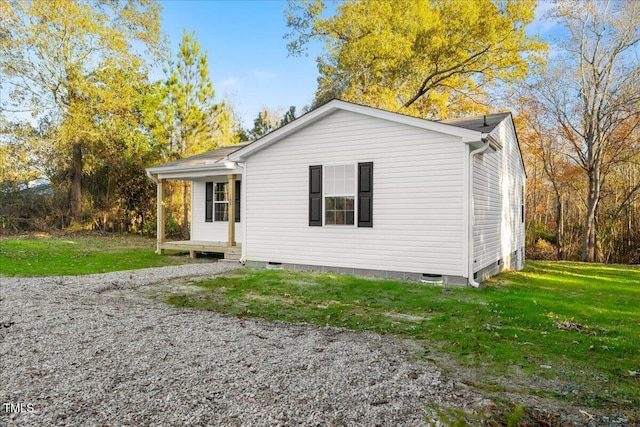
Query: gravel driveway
{"x": 83, "y": 351}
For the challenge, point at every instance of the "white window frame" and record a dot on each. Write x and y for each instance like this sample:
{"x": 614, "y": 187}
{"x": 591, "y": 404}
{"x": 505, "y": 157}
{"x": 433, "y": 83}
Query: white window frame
{"x": 345, "y": 194}
{"x": 221, "y": 202}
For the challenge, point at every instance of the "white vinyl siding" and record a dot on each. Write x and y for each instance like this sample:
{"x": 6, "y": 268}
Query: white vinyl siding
{"x": 498, "y": 182}
{"x": 215, "y": 231}
{"x": 418, "y": 190}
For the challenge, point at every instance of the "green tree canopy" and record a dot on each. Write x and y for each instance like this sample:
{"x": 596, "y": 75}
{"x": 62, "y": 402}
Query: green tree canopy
{"x": 269, "y": 120}
{"x": 62, "y": 59}
{"x": 186, "y": 118}
{"x": 427, "y": 58}
{"x": 195, "y": 122}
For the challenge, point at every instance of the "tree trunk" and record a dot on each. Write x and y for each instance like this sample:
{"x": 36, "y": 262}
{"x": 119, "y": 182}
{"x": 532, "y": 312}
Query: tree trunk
{"x": 589, "y": 243}
{"x": 185, "y": 210}
{"x": 559, "y": 225}
{"x": 75, "y": 195}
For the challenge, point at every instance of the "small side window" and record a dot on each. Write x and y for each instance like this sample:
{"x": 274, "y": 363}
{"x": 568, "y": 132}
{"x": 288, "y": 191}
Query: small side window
{"x": 221, "y": 202}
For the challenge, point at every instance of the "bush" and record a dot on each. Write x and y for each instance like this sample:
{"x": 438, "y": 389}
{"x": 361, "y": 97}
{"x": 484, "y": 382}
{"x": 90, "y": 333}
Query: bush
{"x": 172, "y": 228}
{"x": 28, "y": 209}
{"x": 544, "y": 250}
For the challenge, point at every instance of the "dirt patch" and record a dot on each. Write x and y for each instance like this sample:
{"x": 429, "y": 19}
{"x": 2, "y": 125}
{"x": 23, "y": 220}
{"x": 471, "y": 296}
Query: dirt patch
{"x": 404, "y": 316}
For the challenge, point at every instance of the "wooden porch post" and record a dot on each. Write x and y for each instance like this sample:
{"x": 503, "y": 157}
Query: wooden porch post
{"x": 160, "y": 217}
{"x": 231, "y": 241}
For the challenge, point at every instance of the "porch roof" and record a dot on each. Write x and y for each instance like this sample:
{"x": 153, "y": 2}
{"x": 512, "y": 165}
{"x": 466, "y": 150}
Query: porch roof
{"x": 199, "y": 166}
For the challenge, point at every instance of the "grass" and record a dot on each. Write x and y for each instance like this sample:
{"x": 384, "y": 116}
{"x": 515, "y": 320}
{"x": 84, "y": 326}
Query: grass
{"x": 42, "y": 254}
{"x": 566, "y": 331}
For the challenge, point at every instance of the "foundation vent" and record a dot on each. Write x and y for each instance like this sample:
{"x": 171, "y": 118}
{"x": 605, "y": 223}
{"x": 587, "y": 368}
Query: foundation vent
{"x": 432, "y": 279}
{"x": 274, "y": 266}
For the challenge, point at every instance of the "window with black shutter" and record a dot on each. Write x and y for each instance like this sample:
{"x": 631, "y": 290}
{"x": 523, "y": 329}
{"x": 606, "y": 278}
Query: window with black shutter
{"x": 339, "y": 191}
{"x": 208, "y": 203}
{"x": 365, "y": 194}
{"x": 315, "y": 196}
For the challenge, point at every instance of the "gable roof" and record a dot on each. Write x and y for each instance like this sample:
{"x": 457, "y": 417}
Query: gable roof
{"x": 470, "y": 130}
{"x": 466, "y": 135}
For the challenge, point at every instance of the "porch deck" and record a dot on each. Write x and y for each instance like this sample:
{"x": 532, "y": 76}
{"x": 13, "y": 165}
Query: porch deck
{"x": 193, "y": 246}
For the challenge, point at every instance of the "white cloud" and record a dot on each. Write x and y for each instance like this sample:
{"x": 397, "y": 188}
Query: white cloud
{"x": 264, "y": 75}
{"x": 227, "y": 83}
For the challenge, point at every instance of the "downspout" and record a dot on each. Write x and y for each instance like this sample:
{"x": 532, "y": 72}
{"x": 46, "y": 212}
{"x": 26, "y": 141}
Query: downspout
{"x": 152, "y": 178}
{"x": 482, "y": 149}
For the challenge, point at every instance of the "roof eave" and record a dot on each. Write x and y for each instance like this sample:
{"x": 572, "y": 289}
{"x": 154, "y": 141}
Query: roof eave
{"x": 177, "y": 169}
{"x": 466, "y": 135}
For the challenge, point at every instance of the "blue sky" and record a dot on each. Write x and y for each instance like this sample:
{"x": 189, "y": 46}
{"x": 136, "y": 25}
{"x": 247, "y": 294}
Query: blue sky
{"x": 248, "y": 59}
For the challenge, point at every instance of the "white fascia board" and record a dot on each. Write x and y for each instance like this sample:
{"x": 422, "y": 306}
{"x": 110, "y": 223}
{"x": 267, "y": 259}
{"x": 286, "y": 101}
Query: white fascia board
{"x": 196, "y": 173}
{"x": 467, "y": 136}
{"x": 187, "y": 168}
{"x": 285, "y": 130}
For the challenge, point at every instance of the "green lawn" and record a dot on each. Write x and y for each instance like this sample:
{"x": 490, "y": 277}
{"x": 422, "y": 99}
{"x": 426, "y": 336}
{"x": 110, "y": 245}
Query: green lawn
{"x": 567, "y": 331}
{"x": 81, "y": 254}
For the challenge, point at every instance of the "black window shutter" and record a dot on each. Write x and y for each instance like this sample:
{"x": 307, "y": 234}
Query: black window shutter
{"x": 208, "y": 203}
{"x": 315, "y": 196}
{"x": 365, "y": 194}
{"x": 237, "y": 201}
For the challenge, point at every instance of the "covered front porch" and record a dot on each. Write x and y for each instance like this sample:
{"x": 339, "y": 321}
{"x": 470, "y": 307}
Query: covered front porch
{"x": 193, "y": 246}
{"x": 215, "y": 203}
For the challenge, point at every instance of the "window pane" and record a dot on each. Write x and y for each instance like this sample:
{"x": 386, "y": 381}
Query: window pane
{"x": 329, "y": 203}
{"x": 222, "y": 211}
{"x": 340, "y": 217}
{"x": 349, "y": 204}
{"x": 339, "y": 187}
{"x": 349, "y": 217}
{"x": 329, "y": 187}
{"x": 350, "y": 172}
{"x": 330, "y": 217}
{"x": 222, "y": 195}
{"x": 339, "y": 203}
{"x": 349, "y": 186}
{"x": 329, "y": 173}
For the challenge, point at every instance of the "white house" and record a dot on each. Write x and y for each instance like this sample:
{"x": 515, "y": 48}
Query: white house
{"x": 353, "y": 189}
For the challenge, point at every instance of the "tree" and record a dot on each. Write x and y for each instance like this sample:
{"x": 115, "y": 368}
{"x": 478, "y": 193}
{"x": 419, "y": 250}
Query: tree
{"x": 594, "y": 95}
{"x": 18, "y": 164}
{"x": 56, "y": 56}
{"x": 194, "y": 120}
{"x": 541, "y": 146}
{"x": 119, "y": 192}
{"x": 425, "y": 58}
{"x": 289, "y": 116}
{"x": 189, "y": 120}
{"x": 267, "y": 121}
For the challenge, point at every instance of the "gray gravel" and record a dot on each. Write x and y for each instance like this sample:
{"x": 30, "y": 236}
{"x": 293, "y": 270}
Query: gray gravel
{"x": 84, "y": 351}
